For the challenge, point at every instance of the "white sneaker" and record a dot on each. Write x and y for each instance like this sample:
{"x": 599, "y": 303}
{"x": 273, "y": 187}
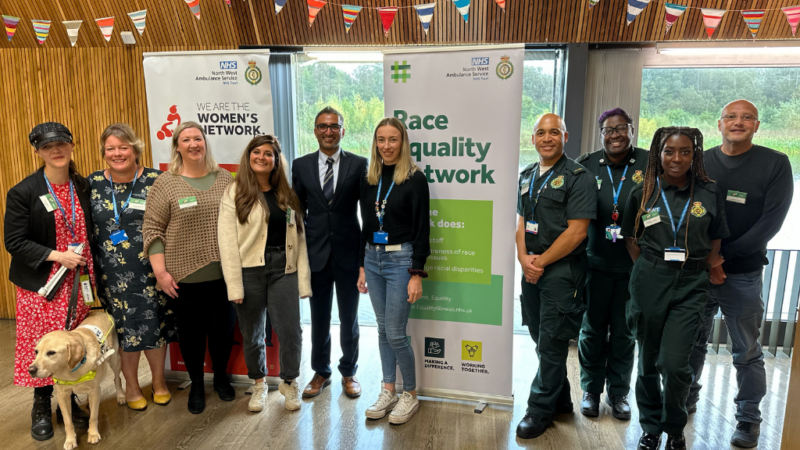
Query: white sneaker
{"x": 385, "y": 403}
{"x": 291, "y": 394}
{"x": 258, "y": 400}
{"x": 405, "y": 409}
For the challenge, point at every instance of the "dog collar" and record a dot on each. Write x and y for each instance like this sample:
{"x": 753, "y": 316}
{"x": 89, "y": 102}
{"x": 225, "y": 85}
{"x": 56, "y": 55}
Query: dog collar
{"x": 89, "y": 376}
{"x": 83, "y": 361}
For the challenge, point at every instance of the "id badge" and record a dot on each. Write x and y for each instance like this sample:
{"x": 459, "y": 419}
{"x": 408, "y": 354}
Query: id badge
{"x": 532, "y": 227}
{"x": 613, "y": 233}
{"x": 118, "y": 237}
{"x": 86, "y": 290}
{"x": 49, "y": 202}
{"x": 674, "y": 254}
{"x": 524, "y": 190}
{"x": 651, "y": 218}
{"x": 599, "y": 183}
{"x": 380, "y": 237}
{"x": 737, "y": 197}
{"x": 290, "y": 217}
{"x": 187, "y": 202}
{"x": 137, "y": 204}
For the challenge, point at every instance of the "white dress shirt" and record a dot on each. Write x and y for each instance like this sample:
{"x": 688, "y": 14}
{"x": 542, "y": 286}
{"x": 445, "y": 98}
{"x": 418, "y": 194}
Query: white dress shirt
{"x": 323, "y": 167}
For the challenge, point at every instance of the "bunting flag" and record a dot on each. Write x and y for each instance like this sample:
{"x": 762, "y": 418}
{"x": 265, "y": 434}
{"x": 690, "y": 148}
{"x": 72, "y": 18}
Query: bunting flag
{"x": 350, "y": 15}
{"x": 635, "y": 7}
{"x": 792, "y": 15}
{"x": 138, "y": 20}
{"x": 753, "y": 18}
{"x": 11, "y": 25}
{"x": 673, "y": 12}
{"x": 228, "y": 2}
{"x": 42, "y": 29}
{"x": 106, "y": 25}
{"x": 72, "y": 27}
{"x": 463, "y": 7}
{"x": 387, "y": 17}
{"x": 502, "y": 4}
{"x": 279, "y": 5}
{"x": 711, "y": 19}
{"x": 425, "y": 13}
{"x": 194, "y": 5}
{"x": 313, "y": 9}
{"x": 593, "y": 2}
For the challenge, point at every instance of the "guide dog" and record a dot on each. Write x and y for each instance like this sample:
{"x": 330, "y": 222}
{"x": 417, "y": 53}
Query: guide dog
{"x": 78, "y": 361}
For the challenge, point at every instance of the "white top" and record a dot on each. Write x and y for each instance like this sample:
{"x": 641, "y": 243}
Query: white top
{"x": 544, "y": 169}
{"x": 323, "y": 167}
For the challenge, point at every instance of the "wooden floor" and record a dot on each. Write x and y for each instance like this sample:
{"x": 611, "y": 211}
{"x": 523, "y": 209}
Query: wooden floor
{"x": 333, "y": 421}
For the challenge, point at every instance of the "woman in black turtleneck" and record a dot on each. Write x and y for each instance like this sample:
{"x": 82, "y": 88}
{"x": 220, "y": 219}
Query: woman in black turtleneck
{"x": 395, "y": 202}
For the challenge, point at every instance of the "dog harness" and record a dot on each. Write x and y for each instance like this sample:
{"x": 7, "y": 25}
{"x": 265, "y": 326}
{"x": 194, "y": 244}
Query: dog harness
{"x": 105, "y": 352}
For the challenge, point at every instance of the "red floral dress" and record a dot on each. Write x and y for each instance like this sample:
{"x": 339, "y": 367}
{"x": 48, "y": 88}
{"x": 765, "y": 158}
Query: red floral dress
{"x": 35, "y": 315}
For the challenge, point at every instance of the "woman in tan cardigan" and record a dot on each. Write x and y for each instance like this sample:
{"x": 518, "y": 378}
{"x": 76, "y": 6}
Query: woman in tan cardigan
{"x": 180, "y": 237}
{"x": 264, "y": 259}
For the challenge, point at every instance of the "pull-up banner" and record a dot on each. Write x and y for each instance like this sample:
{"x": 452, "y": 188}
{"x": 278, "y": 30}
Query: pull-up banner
{"x": 462, "y": 110}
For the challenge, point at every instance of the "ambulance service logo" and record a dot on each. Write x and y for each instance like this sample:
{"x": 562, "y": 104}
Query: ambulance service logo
{"x": 504, "y": 68}
{"x": 253, "y": 73}
{"x": 471, "y": 351}
{"x": 558, "y": 182}
{"x": 698, "y": 210}
{"x": 638, "y": 177}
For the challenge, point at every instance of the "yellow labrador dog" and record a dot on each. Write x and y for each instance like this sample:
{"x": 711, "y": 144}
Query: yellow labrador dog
{"x": 78, "y": 361}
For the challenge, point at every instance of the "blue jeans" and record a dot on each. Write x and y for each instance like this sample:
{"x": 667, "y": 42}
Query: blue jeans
{"x": 387, "y": 279}
{"x": 739, "y": 298}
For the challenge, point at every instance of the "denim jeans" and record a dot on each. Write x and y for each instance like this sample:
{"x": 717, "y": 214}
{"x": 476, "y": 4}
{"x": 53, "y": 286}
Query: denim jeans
{"x": 270, "y": 289}
{"x": 387, "y": 279}
{"x": 739, "y": 298}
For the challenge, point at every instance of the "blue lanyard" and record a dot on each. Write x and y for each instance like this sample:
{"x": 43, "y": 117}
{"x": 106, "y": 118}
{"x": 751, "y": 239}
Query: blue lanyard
{"x": 380, "y": 207}
{"x": 618, "y": 190}
{"x": 71, "y": 227}
{"x": 114, "y": 198}
{"x": 541, "y": 188}
{"x": 669, "y": 213}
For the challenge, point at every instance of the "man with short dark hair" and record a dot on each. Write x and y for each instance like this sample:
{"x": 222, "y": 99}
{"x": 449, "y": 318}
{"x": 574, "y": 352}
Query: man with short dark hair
{"x": 759, "y": 186}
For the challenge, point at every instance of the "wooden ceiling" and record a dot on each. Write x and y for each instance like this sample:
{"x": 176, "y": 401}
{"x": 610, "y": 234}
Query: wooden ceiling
{"x": 253, "y": 22}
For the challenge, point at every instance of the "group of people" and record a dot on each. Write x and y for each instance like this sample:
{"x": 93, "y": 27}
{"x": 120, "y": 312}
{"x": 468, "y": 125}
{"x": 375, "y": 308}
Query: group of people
{"x": 610, "y": 257}
{"x": 631, "y": 246}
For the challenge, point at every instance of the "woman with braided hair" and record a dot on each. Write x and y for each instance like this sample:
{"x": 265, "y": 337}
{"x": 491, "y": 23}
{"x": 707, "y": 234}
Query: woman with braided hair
{"x": 679, "y": 223}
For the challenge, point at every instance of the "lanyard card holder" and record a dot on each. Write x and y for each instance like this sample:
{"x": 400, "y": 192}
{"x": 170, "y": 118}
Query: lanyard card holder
{"x": 674, "y": 254}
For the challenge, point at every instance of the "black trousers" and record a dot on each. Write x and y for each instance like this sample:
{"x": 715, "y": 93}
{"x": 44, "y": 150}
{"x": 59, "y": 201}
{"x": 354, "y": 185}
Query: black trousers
{"x": 203, "y": 312}
{"x": 322, "y": 284}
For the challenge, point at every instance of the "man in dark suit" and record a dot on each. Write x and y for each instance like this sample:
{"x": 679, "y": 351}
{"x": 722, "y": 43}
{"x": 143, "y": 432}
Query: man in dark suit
{"x": 327, "y": 183}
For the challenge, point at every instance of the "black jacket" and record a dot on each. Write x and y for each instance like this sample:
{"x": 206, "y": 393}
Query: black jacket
{"x": 30, "y": 231}
{"x": 331, "y": 228}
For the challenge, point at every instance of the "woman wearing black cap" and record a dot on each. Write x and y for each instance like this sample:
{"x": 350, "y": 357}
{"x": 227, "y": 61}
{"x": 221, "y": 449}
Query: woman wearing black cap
{"x": 47, "y": 216}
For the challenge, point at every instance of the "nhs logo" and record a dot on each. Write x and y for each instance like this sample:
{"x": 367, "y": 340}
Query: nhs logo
{"x": 484, "y": 61}
{"x": 229, "y": 64}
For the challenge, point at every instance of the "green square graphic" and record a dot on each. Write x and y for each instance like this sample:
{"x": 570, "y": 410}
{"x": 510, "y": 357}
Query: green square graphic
{"x": 461, "y": 241}
{"x": 461, "y": 302}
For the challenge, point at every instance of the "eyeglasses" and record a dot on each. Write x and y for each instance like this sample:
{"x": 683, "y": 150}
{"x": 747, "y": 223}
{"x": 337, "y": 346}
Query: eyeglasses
{"x": 323, "y": 127}
{"x": 621, "y": 129}
{"x": 744, "y": 117}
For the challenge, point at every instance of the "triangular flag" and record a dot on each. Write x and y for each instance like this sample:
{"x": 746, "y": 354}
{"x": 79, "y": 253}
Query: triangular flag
{"x": 42, "y": 29}
{"x": 350, "y": 15}
{"x": 72, "y": 27}
{"x": 279, "y": 5}
{"x": 593, "y": 2}
{"x": 753, "y": 18}
{"x": 11, "y": 25}
{"x": 138, "y": 20}
{"x": 635, "y": 7}
{"x": 792, "y": 15}
{"x": 387, "y": 17}
{"x": 228, "y": 2}
{"x": 313, "y": 9}
{"x": 711, "y": 19}
{"x": 425, "y": 13}
{"x": 673, "y": 12}
{"x": 106, "y": 25}
{"x": 194, "y": 5}
{"x": 463, "y": 7}
{"x": 502, "y": 4}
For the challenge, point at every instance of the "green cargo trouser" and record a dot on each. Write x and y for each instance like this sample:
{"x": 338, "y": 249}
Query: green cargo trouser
{"x": 601, "y": 358}
{"x": 554, "y": 308}
{"x": 666, "y": 306}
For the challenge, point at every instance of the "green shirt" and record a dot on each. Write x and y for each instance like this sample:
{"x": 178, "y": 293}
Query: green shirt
{"x": 705, "y": 217}
{"x": 605, "y": 254}
{"x": 569, "y": 194}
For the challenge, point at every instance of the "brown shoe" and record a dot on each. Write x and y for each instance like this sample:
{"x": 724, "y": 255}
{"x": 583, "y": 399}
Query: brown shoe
{"x": 317, "y": 384}
{"x": 352, "y": 388}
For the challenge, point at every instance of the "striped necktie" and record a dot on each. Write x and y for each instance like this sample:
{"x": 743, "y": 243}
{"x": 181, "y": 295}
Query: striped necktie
{"x": 327, "y": 186}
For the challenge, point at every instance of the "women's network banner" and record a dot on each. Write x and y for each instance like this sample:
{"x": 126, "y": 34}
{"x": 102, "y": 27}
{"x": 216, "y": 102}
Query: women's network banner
{"x": 462, "y": 110}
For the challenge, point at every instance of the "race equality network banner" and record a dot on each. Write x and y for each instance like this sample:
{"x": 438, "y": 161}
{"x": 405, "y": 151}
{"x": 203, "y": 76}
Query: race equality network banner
{"x": 228, "y": 93}
{"x": 462, "y": 110}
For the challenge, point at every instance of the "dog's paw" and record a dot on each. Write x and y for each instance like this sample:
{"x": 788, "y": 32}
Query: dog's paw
{"x": 121, "y": 399}
{"x": 70, "y": 444}
{"x": 94, "y": 438}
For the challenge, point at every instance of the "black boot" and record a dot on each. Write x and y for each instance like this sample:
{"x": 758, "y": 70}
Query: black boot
{"x": 649, "y": 442}
{"x": 532, "y": 426}
{"x": 41, "y": 418}
{"x": 590, "y": 404}
{"x": 224, "y": 388}
{"x": 197, "y": 398}
{"x": 620, "y": 408}
{"x": 80, "y": 418}
{"x": 676, "y": 442}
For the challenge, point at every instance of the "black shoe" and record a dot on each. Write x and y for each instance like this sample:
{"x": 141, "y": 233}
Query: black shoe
{"x": 224, "y": 388}
{"x": 649, "y": 442}
{"x": 80, "y": 418}
{"x": 620, "y": 408}
{"x": 691, "y": 408}
{"x": 532, "y": 426}
{"x": 675, "y": 442}
{"x": 197, "y": 398}
{"x": 564, "y": 408}
{"x": 590, "y": 404}
{"x": 746, "y": 434}
{"x": 41, "y": 418}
